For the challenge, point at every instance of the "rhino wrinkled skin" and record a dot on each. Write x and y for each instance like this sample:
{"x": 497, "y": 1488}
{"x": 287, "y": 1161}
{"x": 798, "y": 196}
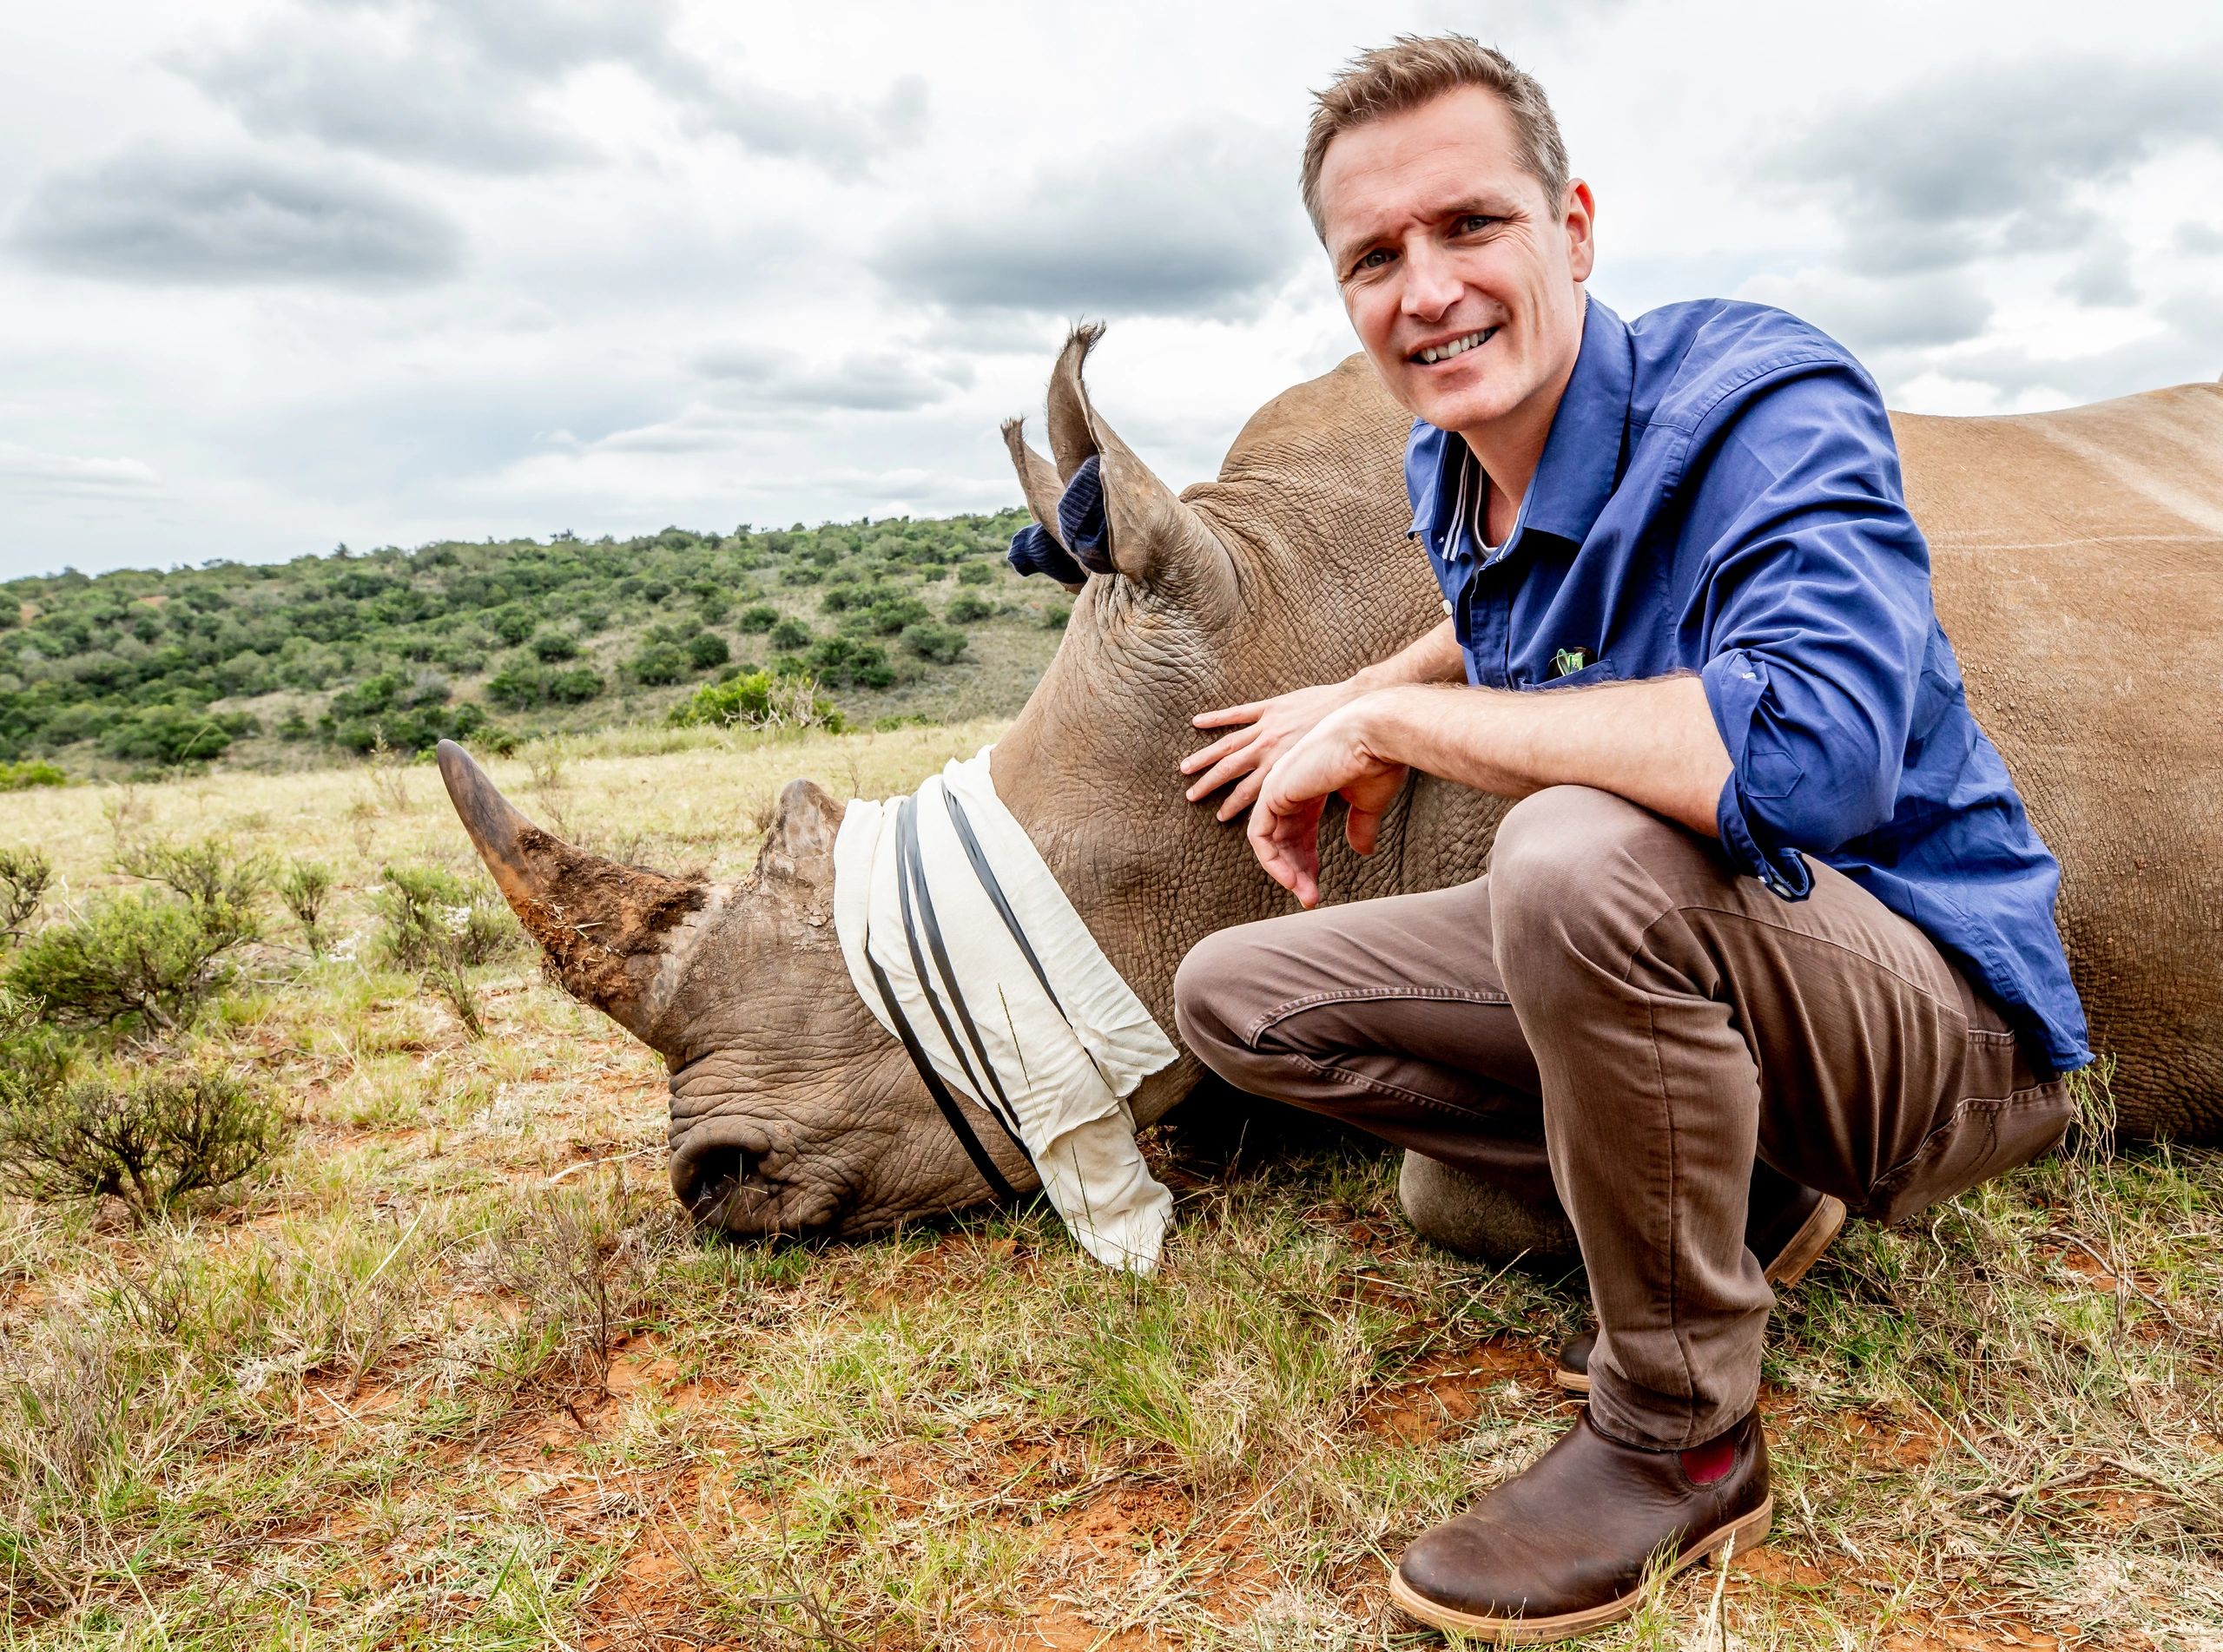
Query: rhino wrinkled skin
{"x": 2079, "y": 569}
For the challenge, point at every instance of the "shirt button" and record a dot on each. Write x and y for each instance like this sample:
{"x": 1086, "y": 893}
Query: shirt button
{"x": 1447, "y": 605}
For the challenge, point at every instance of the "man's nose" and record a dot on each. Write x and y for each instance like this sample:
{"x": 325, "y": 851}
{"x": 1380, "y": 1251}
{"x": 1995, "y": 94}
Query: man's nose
{"x": 1431, "y": 286}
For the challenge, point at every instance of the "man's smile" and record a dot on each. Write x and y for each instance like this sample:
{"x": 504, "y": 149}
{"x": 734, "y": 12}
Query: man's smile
{"x": 1428, "y": 355}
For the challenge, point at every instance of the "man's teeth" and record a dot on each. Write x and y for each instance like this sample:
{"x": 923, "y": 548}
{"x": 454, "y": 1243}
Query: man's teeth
{"x": 1444, "y": 351}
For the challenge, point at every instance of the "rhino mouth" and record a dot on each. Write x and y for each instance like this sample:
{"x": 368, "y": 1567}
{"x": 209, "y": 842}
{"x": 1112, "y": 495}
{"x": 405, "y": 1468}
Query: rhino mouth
{"x": 729, "y": 1177}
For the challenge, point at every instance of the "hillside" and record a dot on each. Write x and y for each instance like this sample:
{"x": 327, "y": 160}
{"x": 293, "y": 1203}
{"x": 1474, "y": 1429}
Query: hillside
{"x": 276, "y": 665}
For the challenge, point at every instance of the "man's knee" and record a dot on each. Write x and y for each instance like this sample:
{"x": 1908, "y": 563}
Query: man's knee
{"x": 1207, "y": 1008}
{"x": 1580, "y": 872}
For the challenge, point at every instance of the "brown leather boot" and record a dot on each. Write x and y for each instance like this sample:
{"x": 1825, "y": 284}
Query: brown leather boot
{"x": 1787, "y": 1234}
{"x": 1565, "y": 1547}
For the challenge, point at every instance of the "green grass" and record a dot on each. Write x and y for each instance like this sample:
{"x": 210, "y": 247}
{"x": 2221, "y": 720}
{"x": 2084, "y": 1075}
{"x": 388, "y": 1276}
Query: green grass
{"x": 411, "y": 1389}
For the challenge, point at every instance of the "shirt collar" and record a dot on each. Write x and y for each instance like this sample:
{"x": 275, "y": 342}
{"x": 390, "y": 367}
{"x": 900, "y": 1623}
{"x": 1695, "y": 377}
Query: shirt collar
{"x": 1582, "y": 455}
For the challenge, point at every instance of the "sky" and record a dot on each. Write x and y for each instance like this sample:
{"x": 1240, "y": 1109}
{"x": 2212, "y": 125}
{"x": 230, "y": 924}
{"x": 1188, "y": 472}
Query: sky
{"x": 275, "y": 276}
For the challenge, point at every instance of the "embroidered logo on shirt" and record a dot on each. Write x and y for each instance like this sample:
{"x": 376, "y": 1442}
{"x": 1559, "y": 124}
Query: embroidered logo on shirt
{"x": 1567, "y": 661}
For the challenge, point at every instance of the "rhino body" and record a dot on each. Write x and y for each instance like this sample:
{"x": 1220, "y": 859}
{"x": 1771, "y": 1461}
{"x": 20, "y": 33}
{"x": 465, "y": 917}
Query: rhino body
{"x": 2079, "y": 571}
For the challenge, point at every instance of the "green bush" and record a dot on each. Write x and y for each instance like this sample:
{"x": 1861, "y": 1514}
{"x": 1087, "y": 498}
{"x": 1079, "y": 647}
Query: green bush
{"x": 1054, "y": 615}
{"x": 940, "y": 643}
{"x": 758, "y": 700}
{"x": 305, "y": 887}
{"x": 424, "y": 911}
{"x": 845, "y": 661}
{"x": 976, "y": 574}
{"x": 206, "y": 872}
{"x": 890, "y": 615}
{"x": 521, "y": 686}
{"x": 844, "y": 595}
{"x": 762, "y": 617}
{"x": 21, "y": 777}
{"x": 707, "y": 648}
{"x": 551, "y": 646}
{"x": 660, "y": 663}
{"x": 170, "y": 736}
{"x": 965, "y": 608}
{"x": 151, "y": 1141}
{"x": 512, "y": 624}
{"x": 791, "y": 635}
{"x": 25, "y": 876}
{"x": 143, "y": 963}
{"x": 800, "y": 574}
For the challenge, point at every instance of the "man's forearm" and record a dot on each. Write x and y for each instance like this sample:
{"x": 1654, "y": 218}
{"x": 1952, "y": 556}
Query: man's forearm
{"x": 1654, "y": 743}
{"x": 1432, "y": 657}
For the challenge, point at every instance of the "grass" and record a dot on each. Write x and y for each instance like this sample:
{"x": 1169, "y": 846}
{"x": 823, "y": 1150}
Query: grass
{"x": 455, "y": 1373}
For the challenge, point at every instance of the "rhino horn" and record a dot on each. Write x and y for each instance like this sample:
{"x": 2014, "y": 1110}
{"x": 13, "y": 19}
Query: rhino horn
{"x": 607, "y": 928}
{"x": 1156, "y": 539}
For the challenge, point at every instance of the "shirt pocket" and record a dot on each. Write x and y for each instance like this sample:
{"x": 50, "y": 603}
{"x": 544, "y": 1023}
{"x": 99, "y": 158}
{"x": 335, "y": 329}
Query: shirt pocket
{"x": 1596, "y": 671}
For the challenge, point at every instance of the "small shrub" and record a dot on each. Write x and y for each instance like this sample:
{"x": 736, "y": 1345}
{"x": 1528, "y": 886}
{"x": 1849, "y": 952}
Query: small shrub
{"x": 800, "y": 574}
{"x": 890, "y": 615}
{"x": 965, "y": 608}
{"x": 976, "y": 574}
{"x": 707, "y": 648}
{"x": 205, "y": 872}
{"x": 170, "y": 736}
{"x": 761, "y": 616}
{"x": 25, "y": 876}
{"x": 21, "y": 777}
{"x": 758, "y": 700}
{"x": 940, "y": 643}
{"x": 712, "y": 605}
{"x": 551, "y": 646}
{"x": 305, "y": 887}
{"x": 425, "y": 911}
{"x": 846, "y": 661}
{"x": 151, "y": 1142}
{"x": 1054, "y": 615}
{"x": 132, "y": 962}
{"x": 791, "y": 635}
{"x": 660, "y": 663}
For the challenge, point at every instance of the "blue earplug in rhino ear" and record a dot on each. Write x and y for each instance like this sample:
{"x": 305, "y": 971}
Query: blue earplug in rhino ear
{"x": 1082, "y": 522}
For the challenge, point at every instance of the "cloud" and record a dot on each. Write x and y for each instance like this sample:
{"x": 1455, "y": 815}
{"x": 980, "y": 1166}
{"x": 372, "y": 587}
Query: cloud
{"x": 1953, "y": 167}
{"x": 28, "y": 470}
{"x": 1186, "y": 222}
{"x": 228, "y": 217}
{"x": 472, "y": 84}
{"x": 1874, "y": 314}
{"x": 886, "y": 380}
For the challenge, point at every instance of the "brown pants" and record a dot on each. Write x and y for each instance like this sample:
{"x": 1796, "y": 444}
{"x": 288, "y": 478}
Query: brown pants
{"x": 1613, "y": 1013}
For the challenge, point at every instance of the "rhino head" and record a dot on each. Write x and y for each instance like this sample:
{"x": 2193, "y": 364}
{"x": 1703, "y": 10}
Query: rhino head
{"x": 792, "y": 1111}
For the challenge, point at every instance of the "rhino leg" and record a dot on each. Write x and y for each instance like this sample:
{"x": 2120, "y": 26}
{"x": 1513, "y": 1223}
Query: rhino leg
{"x": 1480, "y": 1219}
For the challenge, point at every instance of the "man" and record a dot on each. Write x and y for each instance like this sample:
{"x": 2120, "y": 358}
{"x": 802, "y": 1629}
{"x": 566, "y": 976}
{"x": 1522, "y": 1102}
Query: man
{"x": 1767, "y": 929}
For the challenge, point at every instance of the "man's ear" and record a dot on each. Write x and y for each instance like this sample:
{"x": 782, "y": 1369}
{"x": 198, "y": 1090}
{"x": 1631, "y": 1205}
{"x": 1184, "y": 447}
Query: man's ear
{"x": 1579, "y": 215}
{"x": 799, "y": 844}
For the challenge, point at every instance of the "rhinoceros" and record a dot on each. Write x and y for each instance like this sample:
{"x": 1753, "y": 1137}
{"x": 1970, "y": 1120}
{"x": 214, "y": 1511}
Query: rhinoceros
{"x": 2078, "y": 570}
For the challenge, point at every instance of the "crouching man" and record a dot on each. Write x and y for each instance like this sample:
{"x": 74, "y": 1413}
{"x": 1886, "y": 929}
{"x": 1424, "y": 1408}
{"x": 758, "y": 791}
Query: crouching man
{"x": 1767, "y": 934}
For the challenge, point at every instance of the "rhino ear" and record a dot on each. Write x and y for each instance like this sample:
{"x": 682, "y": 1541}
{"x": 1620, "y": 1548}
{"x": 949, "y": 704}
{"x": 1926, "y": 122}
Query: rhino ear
{"x": 1155, "y": 540}
{"x": 1037, "y": 484}
{"x": 799, "y": 844}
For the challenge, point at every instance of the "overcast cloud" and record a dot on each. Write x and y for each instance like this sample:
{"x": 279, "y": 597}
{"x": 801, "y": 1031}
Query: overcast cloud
{"x": 383, "y": 271}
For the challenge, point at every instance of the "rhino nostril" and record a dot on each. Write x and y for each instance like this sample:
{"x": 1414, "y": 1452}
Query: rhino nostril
{"x": 721, "y": 1172}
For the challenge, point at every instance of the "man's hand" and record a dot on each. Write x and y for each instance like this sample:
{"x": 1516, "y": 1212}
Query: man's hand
{"x": 1263, "y": 730}
{"x": 1334, "y": 758}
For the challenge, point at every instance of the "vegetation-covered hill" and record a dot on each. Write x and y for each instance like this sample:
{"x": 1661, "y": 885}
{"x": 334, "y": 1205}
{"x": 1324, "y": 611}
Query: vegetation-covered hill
{"x": 268, "y": 663}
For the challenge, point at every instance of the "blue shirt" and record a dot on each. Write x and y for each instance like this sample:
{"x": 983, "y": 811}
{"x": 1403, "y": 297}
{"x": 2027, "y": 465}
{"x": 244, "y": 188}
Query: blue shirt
{"x": 1720, "y": 494}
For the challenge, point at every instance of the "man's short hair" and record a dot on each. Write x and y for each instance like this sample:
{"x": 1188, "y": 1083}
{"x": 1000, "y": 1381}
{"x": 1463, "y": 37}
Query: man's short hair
{"x": 1414, "y": 69}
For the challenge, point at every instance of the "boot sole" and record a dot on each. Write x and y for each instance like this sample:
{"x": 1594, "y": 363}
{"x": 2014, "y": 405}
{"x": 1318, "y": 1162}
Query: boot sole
{"x": 1816, "y": 1234}
{"x": 1747, "y": 1531}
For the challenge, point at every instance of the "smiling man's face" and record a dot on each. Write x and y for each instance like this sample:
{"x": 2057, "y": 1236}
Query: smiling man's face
{"x": 1462, "y": 279}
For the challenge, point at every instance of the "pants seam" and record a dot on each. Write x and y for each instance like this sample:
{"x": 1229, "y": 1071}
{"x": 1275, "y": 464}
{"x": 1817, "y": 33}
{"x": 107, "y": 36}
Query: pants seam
{"x": 1281, "y": 1012}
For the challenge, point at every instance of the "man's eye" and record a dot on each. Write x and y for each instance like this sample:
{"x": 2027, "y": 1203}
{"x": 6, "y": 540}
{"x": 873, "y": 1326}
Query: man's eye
{"x": 1474, "y": 223}
{"x": 1374, "y": 259}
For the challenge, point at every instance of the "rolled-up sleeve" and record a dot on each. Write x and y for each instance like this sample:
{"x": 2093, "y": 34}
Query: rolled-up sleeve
{"x": 1814, "y": 613}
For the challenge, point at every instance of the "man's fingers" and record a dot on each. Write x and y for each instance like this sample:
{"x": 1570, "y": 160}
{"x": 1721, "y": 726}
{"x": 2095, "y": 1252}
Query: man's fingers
{"x": 1226, "y": 714}
{"x": 1204, "y": 756}
{"x": 1362, "y": 830}
{"x": 1244, "y": 794}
